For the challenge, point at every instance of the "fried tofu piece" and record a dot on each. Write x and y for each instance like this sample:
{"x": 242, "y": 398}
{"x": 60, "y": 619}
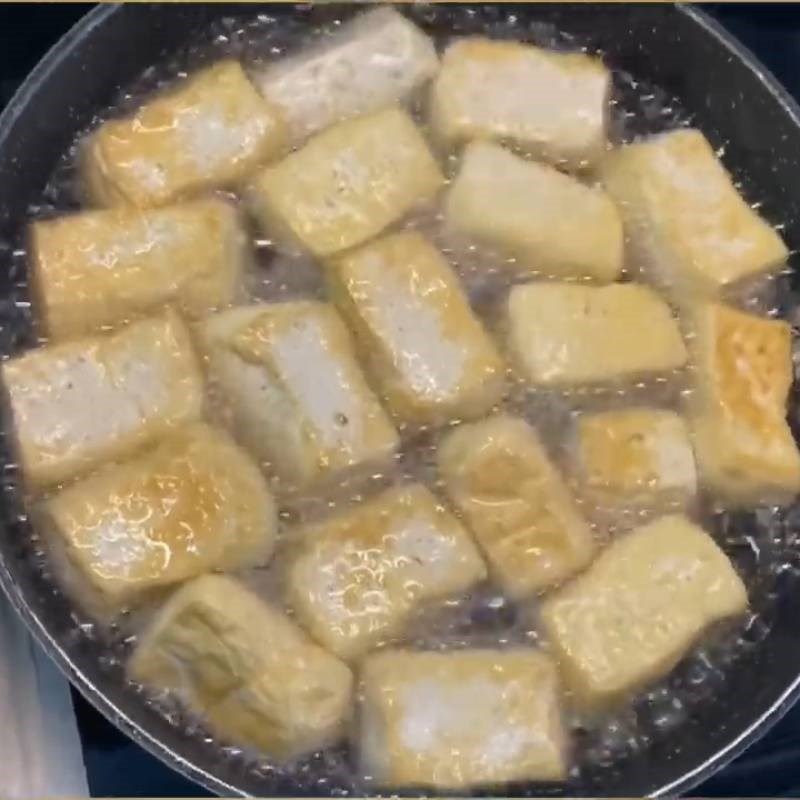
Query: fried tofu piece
{"x": 347, "y": 183}
{"x": 454, "y": 720}
{"x": 498, "y": 474}
{"x": 354, "y": 579}
{"x": 743, "y": 372}
{"x": 423, "y": 346}
{"x": 548, "y": 222}
{"x": 687, "y": 226}
{"x": 195, "y": 503}
{"x": 374, "y": 60}
{"x": 258, "y": 679}
{"x": 79, "y": 403}
{"x": 296, "y": 392}
{"x": 634, "y": 614}
{"x": 561, "y": 334}
{"x": 639, "y": 457}
{"x": 553, "y": 105}
{"x": 208, "y": 131}
{"x": 97, "y": 269}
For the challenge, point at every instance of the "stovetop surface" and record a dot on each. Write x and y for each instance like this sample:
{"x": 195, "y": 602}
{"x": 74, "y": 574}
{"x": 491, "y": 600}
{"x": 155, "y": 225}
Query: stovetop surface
{"x": 116, "y": 766}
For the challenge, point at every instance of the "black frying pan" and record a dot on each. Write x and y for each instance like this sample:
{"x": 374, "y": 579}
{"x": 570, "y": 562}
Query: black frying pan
{"x": 717, "y": 83}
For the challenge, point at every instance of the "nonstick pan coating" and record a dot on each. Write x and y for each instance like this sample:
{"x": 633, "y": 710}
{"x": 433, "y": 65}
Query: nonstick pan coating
{"x": 728, "y": 94}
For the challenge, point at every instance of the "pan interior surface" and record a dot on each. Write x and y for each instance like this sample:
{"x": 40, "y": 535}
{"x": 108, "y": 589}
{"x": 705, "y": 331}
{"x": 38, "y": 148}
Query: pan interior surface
{"x": 671, "y": 68}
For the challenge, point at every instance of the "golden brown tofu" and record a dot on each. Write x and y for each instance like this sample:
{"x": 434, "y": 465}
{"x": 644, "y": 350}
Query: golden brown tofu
{"x": 639, "y": 457}
{"x": 549, "y": 222}
{"x": 455, "y": 720}
{"x": 561, "y": 334}
{"x": 258, "y": 679}
{"x": 297, "y": 395}
{"x": 423, "y": 346}
{"x": 356, "y": 578}
{"x": 347, "y": 183}
{"x": 97, "y": 269}
{"x": 498, "y": 474}
{"x": 638, "y": 609}
{"x": 553, "y": 105}
{"x": 193, "y": 504}
{"x": 687, "y": 226}
{"x": 208, "y": 131}
{"x": 743, "y": 371}
{"x": 372, "y": 61}
{"x": 77, "y": 404}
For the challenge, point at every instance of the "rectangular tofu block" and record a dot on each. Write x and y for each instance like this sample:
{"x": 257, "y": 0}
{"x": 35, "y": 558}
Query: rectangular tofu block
{"x": 355, "y": 578}
{"x": 97, "y": 269}
{"x": 257, "y": 678}
{"x": 194, "y": 503}
{"x": 207, "y": 131}
{"x": 562, "y": 334}
{"x": 347, "y": 183}
{"x": 553, "y": 105}
{"x": 79, "y": 403}
{"x": 634, "y": 614}
{"x": 297, "y": 397}
{"x": 637, "y": 457}
{"x": 424, "y": 347}
{"x": 688, "y": 228}
{"x": 498, "y": 474}
{"x": 548, "y": 222}
{"x": 743, "y": 372}
{"x": 374, "y": 60}
{"x": 454, "y": 720}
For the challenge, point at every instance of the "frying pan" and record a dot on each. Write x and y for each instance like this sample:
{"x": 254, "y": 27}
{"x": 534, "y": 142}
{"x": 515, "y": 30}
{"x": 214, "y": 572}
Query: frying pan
{"x": 718, "y": 85}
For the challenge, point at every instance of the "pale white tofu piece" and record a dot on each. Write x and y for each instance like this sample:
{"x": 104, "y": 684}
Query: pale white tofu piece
{"x": 194, "y": 503}
{"x": 743, "y": 372}
{"x": 297, "y": 396}
{"x": 79, "y": 403}
{"x": 347, "y": 183}
{"x": 553, "y": 105}
{"x": 548, "y": 222}
{"x": 243, "y": 664}
{"x": 635, "y": 457}
{"x": 355, "y": 579}
{"x": 423, "y": 346}
{"x": 208, "y": 131}
{"x": 561, "y": 334}
{"x": 460, "y": 719}
{"x": 498, "y": 474}
{"x": 376, "y": 59}
{"x": 97, "y": 269}
{"x": 637, "y": 610}
{"x": 688, "y": 229}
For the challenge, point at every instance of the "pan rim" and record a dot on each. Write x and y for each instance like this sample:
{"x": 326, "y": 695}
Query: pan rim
{"x": 50, "y": 62}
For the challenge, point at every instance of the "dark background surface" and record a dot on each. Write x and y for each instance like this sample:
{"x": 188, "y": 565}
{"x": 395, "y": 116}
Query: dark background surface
{"x": 117, "y": 767}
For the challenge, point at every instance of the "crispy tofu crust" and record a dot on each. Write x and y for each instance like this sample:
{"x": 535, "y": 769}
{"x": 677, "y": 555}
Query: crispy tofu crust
{"x": 347, "y": 184}
{"x": 195, "y": 503}
{"x": 354, "y": 579}
{"x": 258, "y": 679}
{"x": 99, "y": 269}
{"x": 636, "y": 611}
{"x": 453, "y": 720}
{"x": 553, "y": 105}
{"x": 561, "y": 334}
{"x": 296, "y": 392}
{"x": 77, "y": 404}
{"x": 498, "y": 474}
{"x": 209, "y": 131}
{"x": 688, "y": 229}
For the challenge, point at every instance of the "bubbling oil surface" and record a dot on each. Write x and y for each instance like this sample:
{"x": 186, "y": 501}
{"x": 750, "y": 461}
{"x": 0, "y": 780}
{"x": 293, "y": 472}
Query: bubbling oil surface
{"x": 761, "y": 542}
